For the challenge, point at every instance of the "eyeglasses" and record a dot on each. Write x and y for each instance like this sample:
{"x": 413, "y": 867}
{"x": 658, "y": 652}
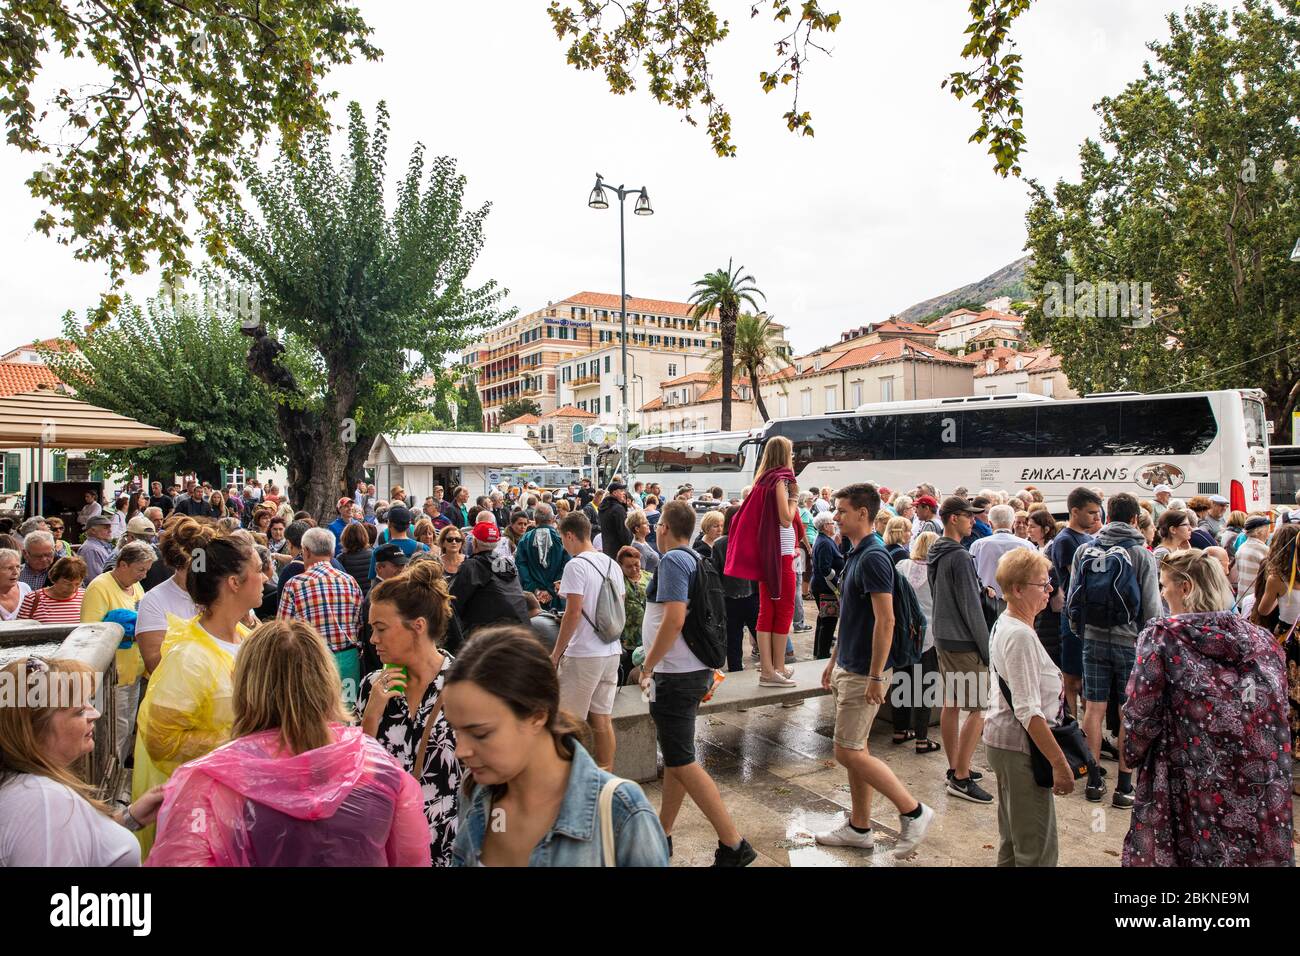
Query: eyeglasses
{"x": 1045, "y": 585}
{"x": 453, "y": 540}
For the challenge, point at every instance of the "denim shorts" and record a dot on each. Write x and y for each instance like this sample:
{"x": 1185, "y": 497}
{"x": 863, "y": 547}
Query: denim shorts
{"x": 1106, "y": 667}
{"x": 673, "y": 708}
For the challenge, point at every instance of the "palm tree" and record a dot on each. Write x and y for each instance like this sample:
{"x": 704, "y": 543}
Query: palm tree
{"x": 758, "y": 350}
{"x": 724, "y": 291}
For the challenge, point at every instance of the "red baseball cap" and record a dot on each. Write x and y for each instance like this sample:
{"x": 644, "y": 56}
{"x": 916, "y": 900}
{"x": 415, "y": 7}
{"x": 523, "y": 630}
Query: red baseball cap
{"x": 487, "y": 532}
{"x": 926, "y": 500}
{"x": 342, "y": 502}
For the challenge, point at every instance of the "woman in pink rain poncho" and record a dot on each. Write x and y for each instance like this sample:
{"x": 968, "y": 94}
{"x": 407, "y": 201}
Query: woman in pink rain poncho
{"x": 295, "y": 786}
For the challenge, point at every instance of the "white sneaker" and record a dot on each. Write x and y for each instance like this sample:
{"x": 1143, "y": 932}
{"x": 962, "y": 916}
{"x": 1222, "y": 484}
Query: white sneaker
{"x": 911, "y": 832}
{"x": 776, "y": 680}
{"x": 845, "y": 835}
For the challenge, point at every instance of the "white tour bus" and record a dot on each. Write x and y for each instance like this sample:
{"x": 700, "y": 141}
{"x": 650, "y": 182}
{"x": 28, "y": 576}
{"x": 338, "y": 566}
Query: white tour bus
{"x": 703, "y": 459}
{"x": 1195, "y": 442}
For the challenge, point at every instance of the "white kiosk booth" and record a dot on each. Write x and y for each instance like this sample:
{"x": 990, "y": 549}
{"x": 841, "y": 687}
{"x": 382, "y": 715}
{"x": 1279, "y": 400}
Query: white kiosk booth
{"x": 420, "y": 460}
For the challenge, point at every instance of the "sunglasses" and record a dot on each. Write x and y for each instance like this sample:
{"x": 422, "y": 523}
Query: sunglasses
{"x": 453, "y": 541}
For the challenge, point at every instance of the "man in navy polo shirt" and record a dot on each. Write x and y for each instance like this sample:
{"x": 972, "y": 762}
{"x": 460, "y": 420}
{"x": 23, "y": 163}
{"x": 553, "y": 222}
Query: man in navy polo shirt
{"x": 858, "y": 675}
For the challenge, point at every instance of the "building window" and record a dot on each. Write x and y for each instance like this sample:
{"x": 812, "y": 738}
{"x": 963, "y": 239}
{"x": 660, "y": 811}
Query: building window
{"x": 832, "y": 397}
{"x": 672, "y": 369}
{"x": 1047, "y": 387}
{"x": 607, "y": 402}
{"x": 783, "y": 405}
{"x": 886, "y": 389}
{"x": 607, "y": 358}
{"x": 806, "y": 401}
{"x": 856, "y": 392}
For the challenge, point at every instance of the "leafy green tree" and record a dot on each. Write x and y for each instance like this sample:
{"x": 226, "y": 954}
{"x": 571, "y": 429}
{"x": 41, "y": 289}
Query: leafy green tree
{"x": 1194, "y": 188}
{"x": 442, "y": 413}
{"x": 470, "y": 417}
{"x": 671, "y": 41}
{"x": 378, "y": 299}
{"x": 179, "y": 91}
{"x": 519, "y": 406}
{"x": 723, "y": 292}
{"x": 178, "y": 365}
{"x": 759, "y": 350}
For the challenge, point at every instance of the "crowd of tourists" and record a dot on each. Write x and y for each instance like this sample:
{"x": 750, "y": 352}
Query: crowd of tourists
{"x": 384, "y": 687}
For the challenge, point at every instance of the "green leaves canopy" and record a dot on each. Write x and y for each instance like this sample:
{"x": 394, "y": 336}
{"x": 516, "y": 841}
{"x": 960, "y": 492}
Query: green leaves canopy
{"x": 180, "y": 91}
{"x": 379, "y": 299}
{"x": 179, "y": 366}
{"x": 1194, "y": 188}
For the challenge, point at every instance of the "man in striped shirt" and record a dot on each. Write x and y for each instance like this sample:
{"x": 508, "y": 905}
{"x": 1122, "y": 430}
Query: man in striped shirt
{"x": 1250, "y": 555}
{"x": 328, "y": 599}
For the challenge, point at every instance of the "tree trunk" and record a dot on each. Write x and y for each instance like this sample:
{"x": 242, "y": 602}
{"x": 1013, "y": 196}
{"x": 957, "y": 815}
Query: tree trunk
{"x": 758, "y": 396}
{"x": 299, "y": 428}
{"x": 727, "y": 318}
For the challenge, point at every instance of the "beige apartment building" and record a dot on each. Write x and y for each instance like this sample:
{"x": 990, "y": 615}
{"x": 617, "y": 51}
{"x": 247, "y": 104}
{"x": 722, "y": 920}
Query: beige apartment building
{"x": 694, "y": 403}
{"x": 878, "y": 369}
{"x": 522, "y": 358}
{"x": 1003, "y": 371}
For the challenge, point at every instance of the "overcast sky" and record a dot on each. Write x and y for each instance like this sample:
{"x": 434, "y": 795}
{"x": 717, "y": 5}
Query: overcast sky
{"x": 886, "y": 206}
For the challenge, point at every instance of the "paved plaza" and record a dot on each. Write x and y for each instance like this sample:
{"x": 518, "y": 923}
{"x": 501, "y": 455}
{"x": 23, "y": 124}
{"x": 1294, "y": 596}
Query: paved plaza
{"x": 778, "y": 777}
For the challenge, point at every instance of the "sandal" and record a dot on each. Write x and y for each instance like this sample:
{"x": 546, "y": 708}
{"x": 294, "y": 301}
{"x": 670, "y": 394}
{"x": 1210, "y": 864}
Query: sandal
{"x": 927, "y": 746}
{"x": 904, "y": 737}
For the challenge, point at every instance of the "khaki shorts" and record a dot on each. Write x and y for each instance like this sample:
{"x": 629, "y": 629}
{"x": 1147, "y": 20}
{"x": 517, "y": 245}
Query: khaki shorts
{"x": 853, "y": 714}
{"x": 588, "y": 685}
{"x": 965, "y": 680}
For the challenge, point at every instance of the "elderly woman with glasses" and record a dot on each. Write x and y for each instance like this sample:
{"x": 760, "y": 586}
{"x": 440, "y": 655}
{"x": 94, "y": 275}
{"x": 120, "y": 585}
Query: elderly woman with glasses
{"x": 1018, "y": 663}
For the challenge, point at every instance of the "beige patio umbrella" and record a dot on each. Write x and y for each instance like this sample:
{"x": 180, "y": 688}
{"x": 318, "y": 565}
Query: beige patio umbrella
{"x": 47, "y": 418}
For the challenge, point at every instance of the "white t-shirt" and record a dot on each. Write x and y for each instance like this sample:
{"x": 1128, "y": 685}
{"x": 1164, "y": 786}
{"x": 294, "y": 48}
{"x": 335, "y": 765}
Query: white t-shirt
{"x": 23, "y": 591}
{"x": 584, "y": 575}
{"x": 44, "y": 823}
{"x": 167, "y": 598}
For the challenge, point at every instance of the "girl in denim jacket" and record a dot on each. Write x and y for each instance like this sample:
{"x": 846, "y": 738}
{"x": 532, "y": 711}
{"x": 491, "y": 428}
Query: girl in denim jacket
{"x": 533, "y": 794}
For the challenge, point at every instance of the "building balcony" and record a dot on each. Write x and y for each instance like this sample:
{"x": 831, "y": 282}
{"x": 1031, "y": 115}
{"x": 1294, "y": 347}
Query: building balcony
{"x": 533, "y": 392}
{"x": 585, "y": 380}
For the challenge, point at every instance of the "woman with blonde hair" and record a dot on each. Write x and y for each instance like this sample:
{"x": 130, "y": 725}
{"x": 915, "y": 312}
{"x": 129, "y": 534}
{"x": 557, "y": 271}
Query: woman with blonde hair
{"x": 401, "y": 704}
{"x": 1213, "y": 763}
{"x": 912, "y": 720}
{"x": 423, "y": 532}
{"x": 1022, "y": 720}
{"x": 451, "y": 549}
{"x": 295, "y": 786}
{"x": 762, "y": 548}
{"x": 898, "y": 534}
{"x": 48, "y": 815}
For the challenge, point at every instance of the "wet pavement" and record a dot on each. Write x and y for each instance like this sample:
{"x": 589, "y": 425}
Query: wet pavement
{"x": 775, "y": 768}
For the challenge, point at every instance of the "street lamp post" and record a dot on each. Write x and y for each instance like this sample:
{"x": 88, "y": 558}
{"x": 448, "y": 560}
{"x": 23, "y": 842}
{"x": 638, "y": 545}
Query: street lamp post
{"x": 598, "y": 200}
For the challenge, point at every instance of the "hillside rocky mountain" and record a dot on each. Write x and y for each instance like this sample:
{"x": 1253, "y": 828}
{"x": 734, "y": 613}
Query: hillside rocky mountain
{"x": 1008, "y": 281}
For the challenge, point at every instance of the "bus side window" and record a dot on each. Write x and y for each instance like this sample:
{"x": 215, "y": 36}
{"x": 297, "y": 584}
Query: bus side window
{"x": 929, "y": 435}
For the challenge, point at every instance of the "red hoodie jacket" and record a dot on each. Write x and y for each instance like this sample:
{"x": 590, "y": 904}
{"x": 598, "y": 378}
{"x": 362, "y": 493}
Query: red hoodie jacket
{"x": 754, "y": 543}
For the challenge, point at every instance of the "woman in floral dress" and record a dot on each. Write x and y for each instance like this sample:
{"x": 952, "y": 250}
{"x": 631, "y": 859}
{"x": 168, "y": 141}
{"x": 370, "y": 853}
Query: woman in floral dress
{"x": 1206, "y": 729}
{"x": 401, "y": 704}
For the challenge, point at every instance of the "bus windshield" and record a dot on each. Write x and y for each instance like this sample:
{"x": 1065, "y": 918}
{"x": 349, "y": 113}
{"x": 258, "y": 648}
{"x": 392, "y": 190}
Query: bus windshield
{"x": 687, "y": 455}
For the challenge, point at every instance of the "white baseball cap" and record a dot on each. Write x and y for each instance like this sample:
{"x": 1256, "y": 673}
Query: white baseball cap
{"x": 1162, "y": 489}
{"x": 1218, "y": 500}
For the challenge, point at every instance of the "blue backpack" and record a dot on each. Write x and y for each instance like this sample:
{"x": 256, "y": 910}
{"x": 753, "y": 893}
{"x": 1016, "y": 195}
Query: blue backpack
{"x": 1105, "y": 591}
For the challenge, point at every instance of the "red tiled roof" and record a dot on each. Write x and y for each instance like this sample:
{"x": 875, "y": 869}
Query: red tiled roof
{"x": 703, "y": 377}
{"x": 946, "y": 320}
{"x": 1041, "y": 359}
{"x": 714, "y": 394}
{"x": 894, "y": 325}
{"x": 568, "y": 411}
{"x": 521, "y": 420}
{"x": 605, "y": 300}
{"x": 788, "y": 372}
{"x": 985, "y": 316}
{"x": 18, "y": 377}
{"x": 653, "y": 405}
{"x": 889, "y": 351}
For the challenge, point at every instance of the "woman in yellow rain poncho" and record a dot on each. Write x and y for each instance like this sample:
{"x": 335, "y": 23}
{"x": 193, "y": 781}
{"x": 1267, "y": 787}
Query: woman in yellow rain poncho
{"x": 186, "y": 710}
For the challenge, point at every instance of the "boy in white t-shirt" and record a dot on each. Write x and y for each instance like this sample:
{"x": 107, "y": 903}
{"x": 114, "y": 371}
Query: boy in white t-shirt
{"x": 587, "y": 665}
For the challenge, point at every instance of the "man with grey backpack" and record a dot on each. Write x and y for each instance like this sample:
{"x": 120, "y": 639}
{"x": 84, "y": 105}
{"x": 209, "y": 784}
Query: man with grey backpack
{"x": 588, "y": 649}
{"x": 1114, "y": 593}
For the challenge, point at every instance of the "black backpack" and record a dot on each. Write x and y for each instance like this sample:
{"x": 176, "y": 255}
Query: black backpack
{"x": 909, "y": 625}
{"x": 705, "y": 627}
